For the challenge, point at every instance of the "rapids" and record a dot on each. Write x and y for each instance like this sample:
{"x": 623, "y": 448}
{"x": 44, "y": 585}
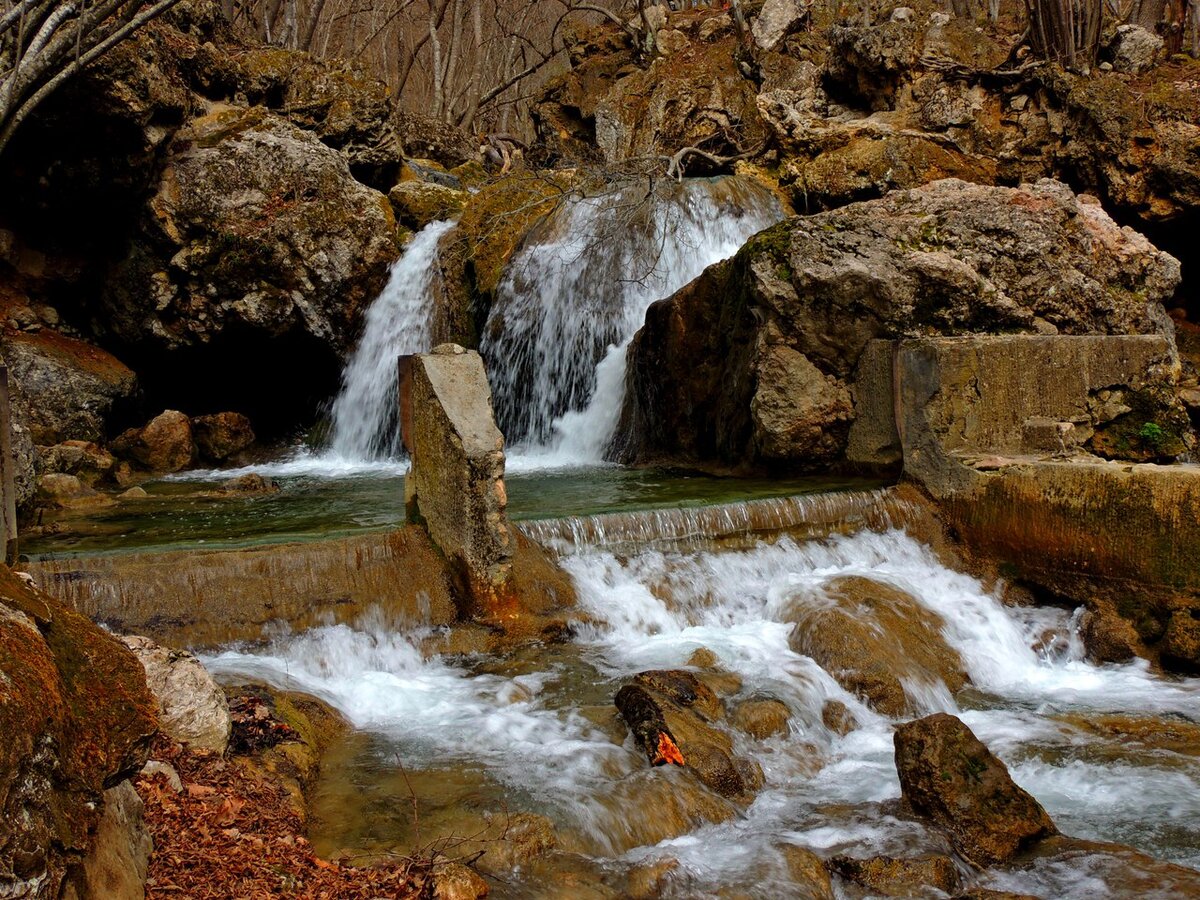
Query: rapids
{"x": 535, "y": 732}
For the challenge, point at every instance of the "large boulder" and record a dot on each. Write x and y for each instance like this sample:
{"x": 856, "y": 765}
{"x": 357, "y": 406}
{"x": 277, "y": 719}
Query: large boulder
{"x": 192, "y": 709}
{"x": 77, "y": 720}
{"x": 950, "y": 258}
{"x": 950, "y": 778}
{"x": 221, "y": 435}
{"x": 256, "y": 227}
{"x": 63, "y": 389}
{"x": 874, "y": 640}
{"x": 164, "y": 444}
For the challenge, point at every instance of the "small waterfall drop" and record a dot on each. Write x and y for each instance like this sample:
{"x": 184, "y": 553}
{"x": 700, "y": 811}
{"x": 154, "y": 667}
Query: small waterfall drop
{"x": 575, "y": 295}
{"x": 397, "y": 322}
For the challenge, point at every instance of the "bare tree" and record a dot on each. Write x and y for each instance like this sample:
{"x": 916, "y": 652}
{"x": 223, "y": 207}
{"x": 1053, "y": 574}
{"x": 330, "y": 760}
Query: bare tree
{"x": 45, "y": 42}
{"x": 1066, "y": 31}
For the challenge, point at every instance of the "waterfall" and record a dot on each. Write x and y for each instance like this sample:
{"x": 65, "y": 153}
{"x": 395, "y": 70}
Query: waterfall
{"x": 574, "y": 296}
{"x": 398, "y": 322}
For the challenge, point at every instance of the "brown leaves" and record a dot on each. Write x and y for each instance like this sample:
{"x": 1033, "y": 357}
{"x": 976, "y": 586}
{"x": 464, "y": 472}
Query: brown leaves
{"x": 232, "y": 833}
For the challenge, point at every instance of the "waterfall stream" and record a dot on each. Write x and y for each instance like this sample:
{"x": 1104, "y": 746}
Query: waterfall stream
{"x": 527, "y": 727}
{"x": 575, "y": 295}
{"x": 398, "y": 322}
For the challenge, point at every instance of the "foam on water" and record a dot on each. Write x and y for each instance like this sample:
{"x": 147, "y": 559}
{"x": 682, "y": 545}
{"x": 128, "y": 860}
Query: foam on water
{"x": 654, "y": 609}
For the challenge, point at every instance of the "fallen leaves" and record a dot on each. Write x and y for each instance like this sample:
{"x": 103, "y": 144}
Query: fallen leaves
{"x": 233, "y": 835}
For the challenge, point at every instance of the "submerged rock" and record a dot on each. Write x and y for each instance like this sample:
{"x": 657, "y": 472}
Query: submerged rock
{"x": 808, "y": 872}
{"x": 454, "y": 881}
{"x": 873, "y": 638}
{"x": 192, "y": 709}
{"x": 949, "y": 777}
{"x": 762, "y": 718}
{"x": 904, "y": 877}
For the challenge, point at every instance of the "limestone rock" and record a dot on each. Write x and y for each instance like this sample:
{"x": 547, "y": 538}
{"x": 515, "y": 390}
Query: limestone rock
{"x": 776, "y": 20}
{"x": 63, "y": 389}
{"x": 76, "y": 718}
{"x": 949, "y": 258}
{"x": 220, "y": 436}
{"x": 256, "y": 228}
{"x": 799, "y": 413}
{"x": 1181, "y": 642}
{"x": 164, "y": 444}
{"x": 1107, "y": 637}
{"x": 83, "y": 459}
{"x": 950, "y": 778}
{"x": 903, "y": 877}
{"x": 808, "y": 872}
{"x": 454, "y": 881}
{"x": 25, "y": 465}
{"x": 117, "y": 861}
{"x": 872, "y": 639}
{"x": 417, "y": 203}
{"x": 1133, "y": 49}
{"x": 249, "y": 484}
{"x": 427, "y": 137}
{"x": 456, "y": 483}
{"x": 192, "y": 709}
{"x": 762, "y": 718}
{"x": 836, "y": 716}
{"x": 67, "y": 491}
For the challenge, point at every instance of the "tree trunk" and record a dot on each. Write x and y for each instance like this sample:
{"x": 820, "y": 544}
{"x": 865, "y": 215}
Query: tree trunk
{"x": 1066, "y": 31}
{"x": 1166, "y": 18}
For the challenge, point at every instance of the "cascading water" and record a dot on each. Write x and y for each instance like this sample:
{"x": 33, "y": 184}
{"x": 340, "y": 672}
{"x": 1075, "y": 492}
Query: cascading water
{"x": 526, "y": 726}
{"x": 398, "y": 322}
{"x": 574, "y": 296}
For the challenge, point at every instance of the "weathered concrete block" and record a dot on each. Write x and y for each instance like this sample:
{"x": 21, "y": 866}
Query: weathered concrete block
{"x": 456, "y": 483}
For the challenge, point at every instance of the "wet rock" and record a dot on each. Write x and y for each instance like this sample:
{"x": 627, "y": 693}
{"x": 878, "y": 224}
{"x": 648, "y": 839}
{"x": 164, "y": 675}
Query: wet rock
{"x": 164, "y": 444}
{"x": 905, "y": 877}
{"x": 671, "y": 728}
{"x": 650, "y": 880}
{"x": 454, "y": 881}
{"x": 949, "y": 777}
{"x": 1124, "y": 871}
{"x": 1133, "y": 49}
{"x": 83, "y": 459}
{"x": 762, "y": 718}
{"x": 1107, "y": 637}
{"x": 808, "y": 872}
{"x": 684, "y": 688}
{"x": 1181, "y": 642}
{"x": 418, "y": 203}
{"x": 978, "y": 893}
{"x": 527, "y": 836}
{"x": 77, "y": 720}
{"x": 67, "y": 492}
{"x": 119, "y": 856}
{"x": 221, "y": 435}
{"x": 250, "y": 484}
{"x": 63, "y": 389}
{"x": 257, "y": 228}
{"x": 776, "y": 20}
{"x": 837, "y": 717}
{"x": 949, "y": 258}
{"x": 703, "y": 658}
{"x": 871, "y": 639}
{"x": 133, "y": 494}
{"x": 192, "y": 709}
{"x": 427, "y": 137}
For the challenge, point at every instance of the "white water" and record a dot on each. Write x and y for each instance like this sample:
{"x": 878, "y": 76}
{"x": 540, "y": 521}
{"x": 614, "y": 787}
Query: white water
{"x": 653, "y": 609}
{"x": 574, "y": 297}
{"x": 398, "y": 322}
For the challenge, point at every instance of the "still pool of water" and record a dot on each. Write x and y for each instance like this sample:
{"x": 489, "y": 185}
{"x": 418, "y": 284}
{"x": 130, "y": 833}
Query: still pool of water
{"x": 186, "y": 512}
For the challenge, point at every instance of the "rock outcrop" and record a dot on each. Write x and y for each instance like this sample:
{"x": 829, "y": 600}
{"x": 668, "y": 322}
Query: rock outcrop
{"x": 755, "y": 361}
{"x": 949, "y": 777}
{"x": 255, "y": 226}
{"x": 77, "y": 720}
